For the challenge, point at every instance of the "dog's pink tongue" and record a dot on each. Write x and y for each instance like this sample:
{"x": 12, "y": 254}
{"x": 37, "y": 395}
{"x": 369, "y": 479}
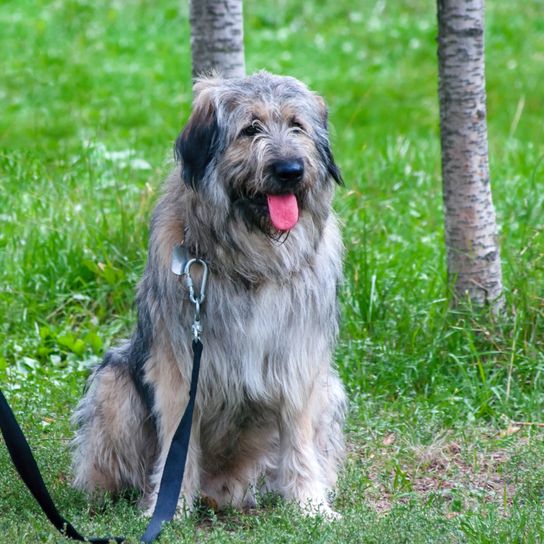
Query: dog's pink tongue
{"x": 283, "y": 211}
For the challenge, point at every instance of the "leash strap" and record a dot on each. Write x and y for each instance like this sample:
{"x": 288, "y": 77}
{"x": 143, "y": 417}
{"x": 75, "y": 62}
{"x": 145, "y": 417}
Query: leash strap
{"x": 26, "y": 466}
{"x": 171, "y": 480}
{"x": 174, "y": 468}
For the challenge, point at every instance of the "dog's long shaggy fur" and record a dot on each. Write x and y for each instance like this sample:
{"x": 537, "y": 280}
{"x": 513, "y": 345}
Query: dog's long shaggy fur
{"x": 270, "y": 407}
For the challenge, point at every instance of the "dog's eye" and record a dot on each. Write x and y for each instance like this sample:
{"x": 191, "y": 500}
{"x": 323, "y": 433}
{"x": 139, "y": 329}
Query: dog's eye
{"x": 297, "y": 126}
{"x": 251, "y": 130}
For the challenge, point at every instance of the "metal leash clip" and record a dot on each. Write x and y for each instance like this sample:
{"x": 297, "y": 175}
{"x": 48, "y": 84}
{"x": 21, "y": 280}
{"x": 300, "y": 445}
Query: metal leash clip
{"x": 196, "y": 299}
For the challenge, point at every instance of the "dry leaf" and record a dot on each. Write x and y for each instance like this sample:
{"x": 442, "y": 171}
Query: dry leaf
{"x": 512, "y": 429}
{"x": 389, "y": 439}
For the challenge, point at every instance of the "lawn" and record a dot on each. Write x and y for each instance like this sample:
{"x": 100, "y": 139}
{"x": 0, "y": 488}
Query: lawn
{"x": 443, "y": 434}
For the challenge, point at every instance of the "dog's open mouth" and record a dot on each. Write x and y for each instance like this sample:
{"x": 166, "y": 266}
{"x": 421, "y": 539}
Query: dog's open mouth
{"x": 283, "y": 210}
{"x": 279, "y": 211}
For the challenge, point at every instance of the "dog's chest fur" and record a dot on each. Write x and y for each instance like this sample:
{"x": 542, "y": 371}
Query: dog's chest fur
{"x": 261, "y": 341}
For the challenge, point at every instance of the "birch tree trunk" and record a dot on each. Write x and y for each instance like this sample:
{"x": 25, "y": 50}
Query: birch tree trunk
{"x": 217, "y": 37}
{"x": 471, "y": 229}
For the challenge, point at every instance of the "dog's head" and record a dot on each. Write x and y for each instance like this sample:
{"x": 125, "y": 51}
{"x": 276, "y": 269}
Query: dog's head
{"x": 257, "y": 149}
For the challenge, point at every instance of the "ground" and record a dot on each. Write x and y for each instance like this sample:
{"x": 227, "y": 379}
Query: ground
{"x": 446, "y": 406}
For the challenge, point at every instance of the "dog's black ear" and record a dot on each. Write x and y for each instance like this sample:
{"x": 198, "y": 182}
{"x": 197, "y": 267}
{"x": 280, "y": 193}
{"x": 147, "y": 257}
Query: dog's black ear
{"x": 332, "y": 168}
{"x": 197, "y": 143}
{"x": 324, "y": 145}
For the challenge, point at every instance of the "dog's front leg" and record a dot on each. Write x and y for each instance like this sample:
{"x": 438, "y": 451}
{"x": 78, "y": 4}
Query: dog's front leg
{"x": 171, "y": 397}
{"x": 191, "y": 478}
{"x": 300, "y": 475}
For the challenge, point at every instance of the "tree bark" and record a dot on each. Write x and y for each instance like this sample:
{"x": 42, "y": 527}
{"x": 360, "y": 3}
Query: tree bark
{"x": 471, "y": 229}
{"x": 217, "y": 37}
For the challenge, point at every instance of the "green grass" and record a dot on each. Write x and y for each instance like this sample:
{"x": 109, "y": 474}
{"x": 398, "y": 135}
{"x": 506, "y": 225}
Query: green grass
{"x": 93, "y": 94}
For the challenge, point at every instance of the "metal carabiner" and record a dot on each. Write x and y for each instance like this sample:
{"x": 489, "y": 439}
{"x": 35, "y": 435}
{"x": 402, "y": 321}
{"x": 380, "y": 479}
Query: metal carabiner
{"x": 190, "y": 283}
{"x": 197, "y": 300}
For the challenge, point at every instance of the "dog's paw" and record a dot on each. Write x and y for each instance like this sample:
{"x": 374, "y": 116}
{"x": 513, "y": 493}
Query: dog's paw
{"x": 313, "y": 508}
{"x": 183, "y": 510}
{"x": 209, "y": 502}
{"x": 330, "y": 515}
{"x": 147, "y": 504}
{"x": 249, "y": 502}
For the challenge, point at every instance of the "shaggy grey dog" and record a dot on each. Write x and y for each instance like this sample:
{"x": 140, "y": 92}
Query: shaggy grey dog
{"x": 252, "y": 197}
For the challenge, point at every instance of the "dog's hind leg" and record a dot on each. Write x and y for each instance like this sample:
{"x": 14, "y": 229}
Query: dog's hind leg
{"x": 114, "y": 443}
{"x": 231, "y": 482}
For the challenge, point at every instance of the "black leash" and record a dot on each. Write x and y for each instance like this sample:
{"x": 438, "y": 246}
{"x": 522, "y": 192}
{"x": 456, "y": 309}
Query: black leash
{"x": 26, "y": 466}
{"x": 174, "y": 467}
{"x": 172, "y": 475}
{"x": 171, "y": 480}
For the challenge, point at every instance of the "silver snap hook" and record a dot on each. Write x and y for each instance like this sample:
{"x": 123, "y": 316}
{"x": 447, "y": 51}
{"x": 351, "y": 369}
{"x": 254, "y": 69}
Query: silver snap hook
{"x": 196, "y": 299}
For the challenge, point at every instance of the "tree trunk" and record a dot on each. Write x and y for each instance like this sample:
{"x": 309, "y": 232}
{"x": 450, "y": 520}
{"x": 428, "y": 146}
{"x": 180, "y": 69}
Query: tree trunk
{"x": 471, "y": 229}
{"x": 217, "y": 37}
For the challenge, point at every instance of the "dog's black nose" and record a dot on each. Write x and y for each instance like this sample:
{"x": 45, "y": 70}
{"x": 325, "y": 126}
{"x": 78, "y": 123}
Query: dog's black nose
{"x": 288, "y": 171}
